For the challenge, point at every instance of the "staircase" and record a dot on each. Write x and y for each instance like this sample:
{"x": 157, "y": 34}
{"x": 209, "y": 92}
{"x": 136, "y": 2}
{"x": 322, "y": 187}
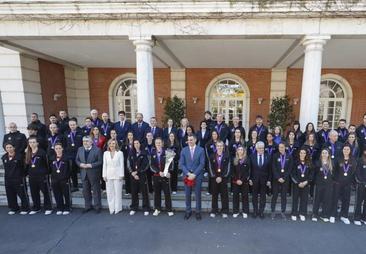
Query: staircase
{"x": 178, "y": 199}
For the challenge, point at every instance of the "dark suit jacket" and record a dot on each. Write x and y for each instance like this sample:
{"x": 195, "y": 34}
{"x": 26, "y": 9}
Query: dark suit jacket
{"x": 158, "y": 132}
{"x": 95, "y": 158}
{"x": 166, "y": 133}
{"x": 139, "y": 133}
{"x": 202, "y": 141}
{"x": 194, "y": 166}
{"x": 122, "y": 131}
{"x": 260, "y": 172}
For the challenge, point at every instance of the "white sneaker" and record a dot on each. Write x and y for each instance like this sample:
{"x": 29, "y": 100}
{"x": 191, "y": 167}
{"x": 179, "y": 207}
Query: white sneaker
{"x": 314, "y": 219}
{"x": 208, "y": 194}
{"x": 357, "y": 223}
{"x": 127, "y": 194}
{"x": 245, "y": 216}
{"x": 324, "y": 219}
{"x": 224, "y": 216}
{"x": 332, "y": 219}
{"x": 66, "y": 213}
{"x": 235, "y": 215}
{"x": 47, "y": 212}
{"x": 59, "y": 213}
{"x": 132, "y": 212}
{"x": 212, "y": 215}
{"x": 23, "y": 213}
{"x": 174, "y": 193}
{"x": 345, "y": 220}
{"x": 34, "y": 212}
{"x": 293, "y": 218}
{"x": 156, "y": 212}
{"x": 363, "y": 221}
{"x": 170, "y": 214}
{"x": 146, "y": 213}
{"x": 302, "y": 218}
{"x": 11, "y": 212}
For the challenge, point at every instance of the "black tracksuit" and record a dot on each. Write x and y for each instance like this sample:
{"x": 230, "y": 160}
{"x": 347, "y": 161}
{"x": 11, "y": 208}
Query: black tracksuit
{"x": 72, "y": 143}
{"x": 38, "y": 172}
{"x": 52, "y": 141}
{"x": 149, "y": 149}
{"x": 127, "y": 150}
{"x": 18, "y": 139}
{"x": 60, "y": 175}
{"x": 15, "y": 182}
{"x": 301, "y": 172}
{"x": 360, "y": 210}
{"x": 219, "y": 166}
{"x": 241, "y": 171}
{"x": 324, "y": 181}
{"x": 175, "y": 163}
{"x": 139, "y": 163}
{"x": 280, "y": 171}
{"x": 344, "y": 175}
{"x": 157, "y": 165}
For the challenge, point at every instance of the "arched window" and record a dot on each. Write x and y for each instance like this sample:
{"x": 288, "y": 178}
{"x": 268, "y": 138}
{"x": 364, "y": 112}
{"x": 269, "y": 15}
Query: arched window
{"x": 228, "y": 94}
{"x": 334, "y": 101}
{"x": 124, "y": 97}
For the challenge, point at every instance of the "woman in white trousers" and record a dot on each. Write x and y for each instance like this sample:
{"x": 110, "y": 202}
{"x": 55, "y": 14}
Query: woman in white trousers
{"x": 113, "y": 173}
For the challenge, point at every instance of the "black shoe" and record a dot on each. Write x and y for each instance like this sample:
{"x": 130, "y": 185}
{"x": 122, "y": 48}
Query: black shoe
{"x": 254, "y": 215}
{"x": 198, "y": 216}
{"x": 187, "y": 215}
{"x": 261, "y": 216}
{"x": 86, "y": 210}
{"x": 98, "y": 210}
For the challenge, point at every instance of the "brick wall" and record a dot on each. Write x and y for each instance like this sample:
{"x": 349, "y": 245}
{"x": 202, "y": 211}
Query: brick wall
{"x": 355, "y": 77}
{"x": 100, "y": 80}
{"x": 197, "y": 80}
{"x": 52, "y": 79}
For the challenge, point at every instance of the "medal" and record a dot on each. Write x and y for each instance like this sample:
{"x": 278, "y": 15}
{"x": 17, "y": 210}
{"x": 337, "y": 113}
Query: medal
{"x": 345, "y": 174}
{"x": 58, "y": 165}
{"x": 9, "y": 138}
{"x": 332, "y": 156}
{"x": 72, "y": 144}
{"x": 302, "y": 169}
{"x": 282, "y": 170}
{"x": 34, "y": 160}
{"x": 219, "y": 170}
{"x": 283, "y": 161}
{"x": 53, "y": 141}
{"x": 325, "y": 177}
{"x": 345, "y": 168}
{"x": 218, "y": 160}
{"x": 325, "y": 172}
{"x": 58, "y": 171}
{"x": 302, "y": 175}
{"x": 33, "y": 166}
{"x": 72, "y": 136}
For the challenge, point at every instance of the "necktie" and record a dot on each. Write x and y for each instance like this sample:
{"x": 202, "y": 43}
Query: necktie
{"x": 192, "y": 152}
{"x": 122, "y": 124}
{"x": 260, "y": 160}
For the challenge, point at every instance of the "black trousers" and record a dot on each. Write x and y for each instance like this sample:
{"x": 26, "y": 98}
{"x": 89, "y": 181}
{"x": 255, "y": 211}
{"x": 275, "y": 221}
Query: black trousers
{"x": 222, "y": 189}
{"x": 341, "y": 192}
{"x": 259, "y": 192}
{"x": 149, "y": 181}
{"x": 323, "y": 198}
{"x": 136, "y": 187}
{"x": 16, "y": 188}
{"x": 37, "y": 185}
{"x": 303, "y": 195}
{"x": 279, "y": 188}
{"x": 242, "y": 190}
{"x": 127, "y": 179}
{"x": 74, "y": 173}
{"x": 162, "y": 184}
{"x": 61, "y": 190}
{"x": 360, "y": 210}
{"x": 174, "y": 178}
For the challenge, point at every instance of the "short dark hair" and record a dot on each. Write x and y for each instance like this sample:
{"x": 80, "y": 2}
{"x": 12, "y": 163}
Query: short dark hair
{"x": 52, "y": 115}
{"x": 259, "y": 116}
{"x": 32, "y": 126}
{"x": 342, "y": 120}
{"x": 208, "y": 112}
{"x": 121, "y": 112}
{"x": 325, "y": 121}
{"x": 73, "y": 119}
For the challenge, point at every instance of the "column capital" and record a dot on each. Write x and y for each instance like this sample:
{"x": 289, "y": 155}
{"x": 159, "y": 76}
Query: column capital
{"x": 314, "y": 42}
{"x": 142, "y": 42}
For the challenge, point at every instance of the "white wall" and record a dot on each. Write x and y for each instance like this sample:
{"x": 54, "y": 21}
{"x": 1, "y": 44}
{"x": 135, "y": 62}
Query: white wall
{"x": 77, "y": 90}
{"x": 20, "y": 88}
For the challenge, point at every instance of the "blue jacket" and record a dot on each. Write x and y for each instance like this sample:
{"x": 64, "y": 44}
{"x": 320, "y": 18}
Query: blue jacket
{"x": 195, "y": 166}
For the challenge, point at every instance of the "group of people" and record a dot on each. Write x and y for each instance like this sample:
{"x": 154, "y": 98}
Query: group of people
{"x": 324, "y": 166}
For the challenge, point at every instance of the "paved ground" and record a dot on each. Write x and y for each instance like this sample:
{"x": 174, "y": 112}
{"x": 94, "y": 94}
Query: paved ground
{"x": 104, "y": 233}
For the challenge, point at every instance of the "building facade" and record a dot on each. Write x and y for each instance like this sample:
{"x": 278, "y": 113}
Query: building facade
{"x": 231, "y": 57}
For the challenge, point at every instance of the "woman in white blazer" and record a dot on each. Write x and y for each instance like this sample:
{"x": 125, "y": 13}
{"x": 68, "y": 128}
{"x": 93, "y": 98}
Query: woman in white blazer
{"x": 113, "y": 173}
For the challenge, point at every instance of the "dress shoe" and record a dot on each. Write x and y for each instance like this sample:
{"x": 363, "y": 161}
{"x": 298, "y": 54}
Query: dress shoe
{"x": 86, "y": 210}
{"x": 187, "y": 215}
{"x": 198, "y": 216}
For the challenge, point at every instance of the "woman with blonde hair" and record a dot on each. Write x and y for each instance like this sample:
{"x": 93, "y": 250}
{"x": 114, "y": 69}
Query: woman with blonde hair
{"x": 113, "y": 173}
{"x": 240, "y": 180}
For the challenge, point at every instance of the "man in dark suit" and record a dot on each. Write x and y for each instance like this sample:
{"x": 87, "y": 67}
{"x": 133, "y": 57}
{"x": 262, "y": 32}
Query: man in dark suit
{"x": 169, "y": 129}
{"x": 139, "y": 128}
{"x": 342, "y": 131}
{"x": 322, "y": 136}
{"x": 90, "y": 160}
{"x": 63, "y": 122}
{"x": 42, "y": 129}
{"x": 192, "y": 162}
{"x": 260, "y": 178}
{"x": 260, "y": 128}
{"x": 203, "y": 135}
{"x": 156, "y": 131}
{"x": 221, "y": 128}
{"x": 122, "y": 127}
